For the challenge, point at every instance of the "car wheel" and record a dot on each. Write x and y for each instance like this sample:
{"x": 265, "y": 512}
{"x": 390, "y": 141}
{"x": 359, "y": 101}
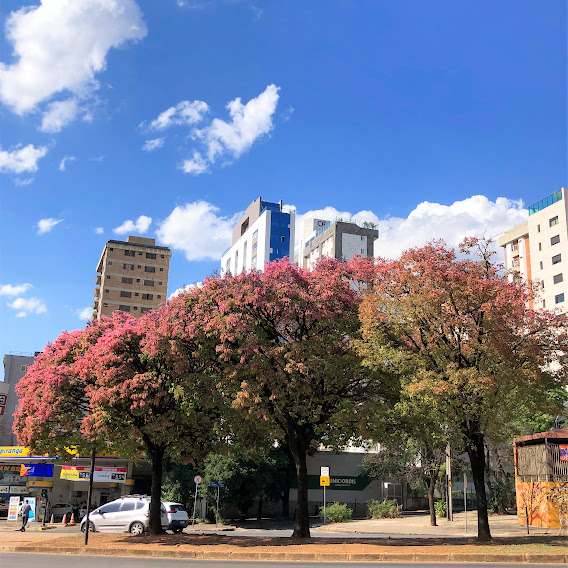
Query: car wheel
{"x": 176, "y": 531}
{"x": 137, "y": 528}
{"x": 91, "y": 527}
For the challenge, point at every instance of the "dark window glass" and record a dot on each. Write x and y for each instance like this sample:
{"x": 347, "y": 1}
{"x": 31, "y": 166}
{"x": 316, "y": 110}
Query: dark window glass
{"x": 553, "y": 221}
{"x": 148, "y": 282}
{"x": 556, "y": 258}
{"x": 129, "y": 253}
{"x": 149, "y": 269}
{"x": 110, "y": 507}
{"x": 150, "y": 255}
{"x": 558, "y": 298}
{"x": 128, "y": 506}
{"x": 555, "y": 240}
{"x": 124, "y": 308}
{"x": 126, "y": 280}
{"x": 124, "y": 294}
{"x": 557, "y": 278}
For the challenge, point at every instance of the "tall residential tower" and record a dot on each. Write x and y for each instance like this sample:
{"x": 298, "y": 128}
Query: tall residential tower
{"x": 133, "y": 277}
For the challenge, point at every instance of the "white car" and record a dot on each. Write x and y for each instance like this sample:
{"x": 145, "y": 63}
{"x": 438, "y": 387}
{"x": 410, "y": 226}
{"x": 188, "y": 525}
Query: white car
{"x": 177, "y": 516}
{"x": 59, "y": 510}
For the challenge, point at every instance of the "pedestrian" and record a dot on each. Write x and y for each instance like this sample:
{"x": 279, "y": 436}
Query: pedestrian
{"x": 26, "y": 508}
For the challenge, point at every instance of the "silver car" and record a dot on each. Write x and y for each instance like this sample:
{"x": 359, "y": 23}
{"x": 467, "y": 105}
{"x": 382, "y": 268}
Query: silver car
{"x": 127, "y": 514}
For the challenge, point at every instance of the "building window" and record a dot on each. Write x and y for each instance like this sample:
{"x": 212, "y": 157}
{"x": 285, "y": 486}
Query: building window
{"x": 555, "y": 240}
{"x": 253, "y": 261}
{"x": 553, "y": 221}
{"x": 538, "y": 228}
{"x": 110, "y": 263}
{"x": 539, "y": 246}
{"x": 106, "y": 290}
{"x": 124, "y": 294}
{"x": 542, "y": 284}
{"x": 161, "y": 256}
{"x": 159, "y": 283}
{"x": 147, "y": 296}
{"x": 128, "y": 266}
{"x": 150, "y": 255}
{"x": 136, "y": 294}
{"x": 159, "y": 296}
{"x": 544, "y": 303}
{"x": 541, "y": 264}
{"x": 108, "y": 277}
{"x": 110, "y": 248}
{"x": 556, "y": 258}
{"x": 129, "y": 253}
{"x": 557, "y": 278}
{"x": 148, "y": 282}
{"x": 124, "y": 308}
{"x": 139, "y": 266}
{"x": 145, "y": 310}
{"x": 559, "y": 298}
{"x": 105, "y": 305}
{"x": 23, "y": 368}
{"x": 514, "y": 246}
{"x": 283, "y": 239}
{"x": 254, "y": 247}
{"x": 126, "y": 280}
{"x": 161, "y": 270}
{"x": 149, "y": 269}
{"x": 255, "y": 234}
{"x": 135, "y": 307}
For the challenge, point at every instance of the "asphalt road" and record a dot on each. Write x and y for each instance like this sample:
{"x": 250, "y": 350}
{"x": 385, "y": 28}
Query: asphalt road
{"x": 56, "y": 561}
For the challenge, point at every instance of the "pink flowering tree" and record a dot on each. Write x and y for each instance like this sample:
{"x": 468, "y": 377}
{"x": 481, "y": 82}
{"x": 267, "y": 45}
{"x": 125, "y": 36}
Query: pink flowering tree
{"x": 285, "y": 337}
{"x": 53, "y": 402}
{"x": 465, "y": 342}
{"x": 147, "y": 391}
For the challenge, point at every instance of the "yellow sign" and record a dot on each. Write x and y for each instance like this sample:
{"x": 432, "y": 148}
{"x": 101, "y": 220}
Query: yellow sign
{"x": 38, "y": 484}
{"x": 14, "y": 452}
{"x": 75, "y": 473}
{"x": 324, "y": 480}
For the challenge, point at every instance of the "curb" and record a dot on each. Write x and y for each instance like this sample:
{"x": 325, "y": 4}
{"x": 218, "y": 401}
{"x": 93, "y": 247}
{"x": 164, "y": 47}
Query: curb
{"x": 526, "y": 558}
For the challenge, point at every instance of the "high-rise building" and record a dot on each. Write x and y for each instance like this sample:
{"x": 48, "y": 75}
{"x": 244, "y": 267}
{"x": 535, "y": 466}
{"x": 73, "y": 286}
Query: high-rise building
{"x": 338, "y": 239}
{"x": 133, "y": 277}
{"x": 264, "y": 233}
{"x": 538, "y": 250}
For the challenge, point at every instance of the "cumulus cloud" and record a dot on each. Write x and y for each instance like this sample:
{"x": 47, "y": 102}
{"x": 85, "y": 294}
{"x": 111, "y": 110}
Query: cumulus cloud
{"x": 185, "y": 288}
{"x": 59, "y": 47}
{"x": 474, "y": 216}
{"x": 230, "y": 139}
{"x": 153, "y": 144}
{"x": 139, "y": 226}
{"x": 198, "y": 230}
{"x": 45, "y": 225}
{"x": 185, "y": 112}
{"x": 99, "y": 230}
{"x": 58, "y": 115}
{"x": 26, "y": 306}
{"x": 17, "y": 290}
{"x": 64, "y": 161}
{"x": 21, "y": 159}
{"x": 85, "y": 313}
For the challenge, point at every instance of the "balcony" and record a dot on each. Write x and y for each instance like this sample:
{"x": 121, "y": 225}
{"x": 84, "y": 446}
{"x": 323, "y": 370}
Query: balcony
{"x": 546, "y": 202}
{"x": 98, "y": 279}
{"x": 95, "y": 305}
{"x": 97, "y": 292}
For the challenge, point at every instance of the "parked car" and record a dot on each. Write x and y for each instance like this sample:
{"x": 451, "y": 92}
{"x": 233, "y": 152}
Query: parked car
{"x": 59, "y": 510}
{"x": 130, "y": 513}
{"x": 177, "y": 516}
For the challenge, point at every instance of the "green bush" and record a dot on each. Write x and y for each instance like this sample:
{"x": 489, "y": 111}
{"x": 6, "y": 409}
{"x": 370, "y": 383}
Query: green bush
{"x": 501, "y": 497}
{"x": 336, "y": 512}
{"x": 385, "y": 509}
{"x": 440, "y": 508}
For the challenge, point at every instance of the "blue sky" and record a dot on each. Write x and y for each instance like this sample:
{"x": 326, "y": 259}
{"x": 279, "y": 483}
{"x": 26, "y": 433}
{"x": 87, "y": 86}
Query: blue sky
{"x": 437, "y": 119}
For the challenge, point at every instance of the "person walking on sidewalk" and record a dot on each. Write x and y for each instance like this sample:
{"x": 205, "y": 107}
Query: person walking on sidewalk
{"x": 26, "y": 508}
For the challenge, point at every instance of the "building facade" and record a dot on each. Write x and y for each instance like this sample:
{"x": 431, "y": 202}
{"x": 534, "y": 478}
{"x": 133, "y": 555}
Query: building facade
{"x": 336, "y": 239}
{"x": 538, "y": 250}
{"x": 263, "y": 234}
{"x": 15, "y": 367}
{"x": 133, "y": 277}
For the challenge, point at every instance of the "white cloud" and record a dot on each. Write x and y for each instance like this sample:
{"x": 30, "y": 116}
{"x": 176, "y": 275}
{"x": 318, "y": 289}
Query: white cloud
{"x": 196, "y": 229}
{"x": 9, "y": 290}
{"x": 45, "y": 225}
{"x": 474, "y": 216}
{"x": 185, "y": 112}
{"x": 140, "y": 226}
{"x": 64, "y": 161}
{"x": 59, "y": 114}
{"x": 22, "y": 182}
{"x": 99, "y": 230}
{"x": 85, "y": 313}
{"x": 248, "y": 123}
{"x": 97, "y": 159}
{"x": 27, "y": 306}
{"x": 60, "y": 46}
{"x": 197, "y": 165}
{"x": 21, "y": 159}
{"x": 185, "y": 288}
{"x": 153, "y": 144}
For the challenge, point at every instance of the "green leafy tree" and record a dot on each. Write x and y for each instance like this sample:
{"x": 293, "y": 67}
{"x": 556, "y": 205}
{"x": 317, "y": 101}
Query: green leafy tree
{"x": 469, "y": 342}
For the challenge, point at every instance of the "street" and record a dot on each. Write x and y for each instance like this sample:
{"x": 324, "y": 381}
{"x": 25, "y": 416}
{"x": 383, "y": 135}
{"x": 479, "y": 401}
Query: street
{"x": 56, "y": 561}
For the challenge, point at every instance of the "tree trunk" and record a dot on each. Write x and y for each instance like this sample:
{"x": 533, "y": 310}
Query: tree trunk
{"x": 476, "y": 453}
{"x": 259, "y": 510}
{"x": 431, "y": 487}
{"x": 298, "y": 449}
{"x": 155, "y": 521}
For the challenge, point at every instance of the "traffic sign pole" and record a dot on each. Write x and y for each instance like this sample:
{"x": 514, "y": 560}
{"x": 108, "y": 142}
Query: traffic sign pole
{"x": 197, "y": 481}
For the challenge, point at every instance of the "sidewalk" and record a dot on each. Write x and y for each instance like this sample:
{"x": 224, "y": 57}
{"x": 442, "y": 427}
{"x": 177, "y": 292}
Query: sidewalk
{"x": 443, "y": 546}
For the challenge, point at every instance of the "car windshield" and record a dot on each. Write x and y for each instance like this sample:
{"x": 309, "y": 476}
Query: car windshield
{"x": 176, "y": 507}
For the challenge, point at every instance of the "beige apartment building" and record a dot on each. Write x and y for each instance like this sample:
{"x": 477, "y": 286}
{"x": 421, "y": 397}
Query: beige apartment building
{"x": 538, "y": 250}
{"x": 133, "y": 277}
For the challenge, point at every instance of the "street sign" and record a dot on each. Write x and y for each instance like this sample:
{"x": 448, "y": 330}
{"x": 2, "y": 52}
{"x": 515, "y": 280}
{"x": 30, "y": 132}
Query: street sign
{"x": 324, "y": 471}
{"x": 324, "y": 480}
{"x": 197, "y": 479}
{"x": 217, "y": 484}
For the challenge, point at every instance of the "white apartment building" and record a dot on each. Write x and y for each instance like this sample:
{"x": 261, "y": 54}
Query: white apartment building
{"x": 263, "y": 234}
{"x": 538, "y": 250}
